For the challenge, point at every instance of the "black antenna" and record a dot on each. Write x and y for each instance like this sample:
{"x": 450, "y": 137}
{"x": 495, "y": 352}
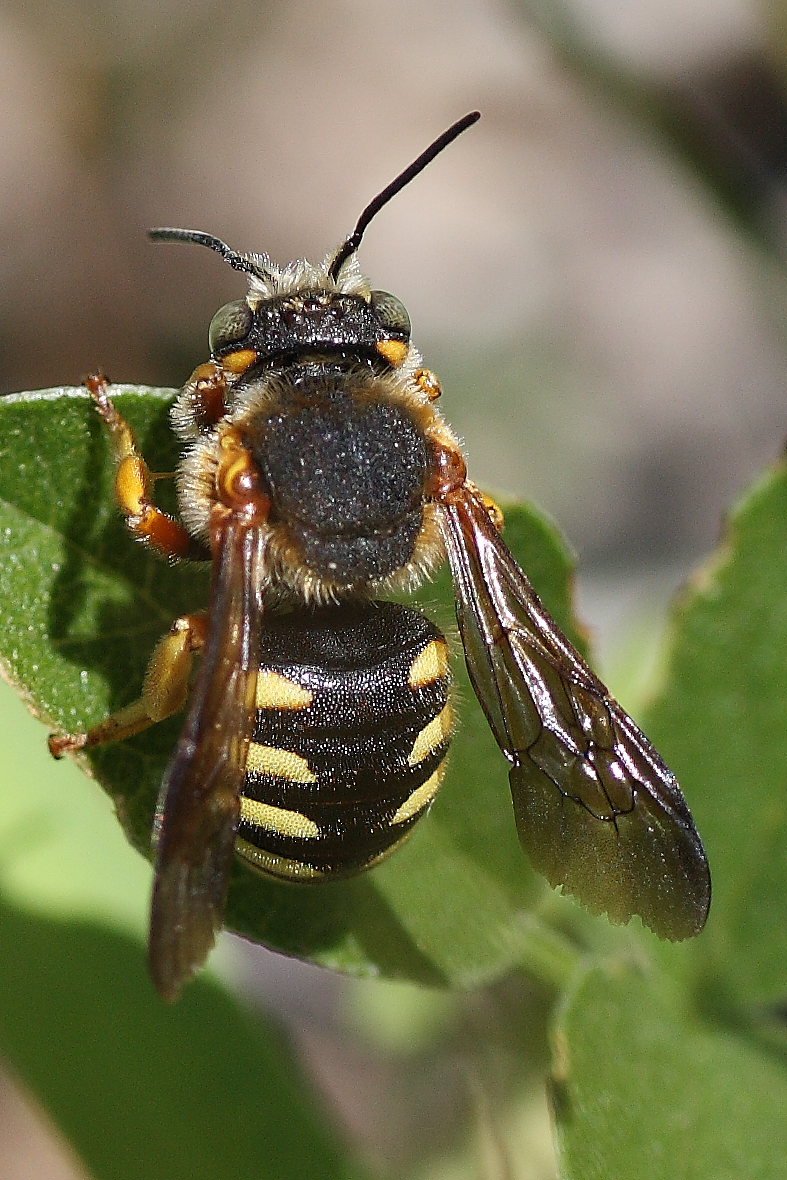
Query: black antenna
{"x": 236, "y": 260}
{"x": 373, "y": 208}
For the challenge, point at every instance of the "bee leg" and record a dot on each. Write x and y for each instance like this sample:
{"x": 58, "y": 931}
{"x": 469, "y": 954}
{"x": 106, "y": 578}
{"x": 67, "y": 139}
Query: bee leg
{"x": 205, "y": 394}
{"x": 428, "y": 383}
{"x": 133, "y": 484}
{"x": 164, "y": 690}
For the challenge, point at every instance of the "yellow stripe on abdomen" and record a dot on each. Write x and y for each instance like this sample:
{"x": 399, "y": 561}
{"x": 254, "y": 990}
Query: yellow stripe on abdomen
{"x": 276, "y": 866}
{"x": 429, "y": 665}
{"x": 279, "y": 820}
{"x": 420, "y": 797}
{"x": 275, "y": 691}
{"x": 281, "y": 763}
{"x": 432, "y": 735}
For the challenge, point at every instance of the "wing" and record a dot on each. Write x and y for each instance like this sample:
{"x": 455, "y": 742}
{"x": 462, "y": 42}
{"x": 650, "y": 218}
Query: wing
{"x": 596, "y": 808}
{"x": 199, "y": 803}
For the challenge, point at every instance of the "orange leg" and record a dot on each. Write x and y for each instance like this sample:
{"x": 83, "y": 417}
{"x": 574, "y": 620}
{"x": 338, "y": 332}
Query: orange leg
{"x": 133, "y": 484}
{"x": 205, "y": 394}
{"x": 428, "y": 383}
{"x": 164, "y": 691}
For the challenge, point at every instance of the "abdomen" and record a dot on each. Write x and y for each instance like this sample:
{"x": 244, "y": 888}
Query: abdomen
{"x": 353, "y": 727}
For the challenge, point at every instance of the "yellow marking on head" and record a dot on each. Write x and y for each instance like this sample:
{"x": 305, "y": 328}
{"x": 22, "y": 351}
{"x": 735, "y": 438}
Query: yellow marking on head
{"x": 394, "y": 351}
{"x": 429, "y": 665}
{"x": 240, "y": 361}
{"x": 278, "y": 820}
{"x": 282, "y": 763}
{"x": 275, "y": 691}
{"x": 432, "y": 735}
{"x": 276, "y": 866}
{"x": 420, "y": 796}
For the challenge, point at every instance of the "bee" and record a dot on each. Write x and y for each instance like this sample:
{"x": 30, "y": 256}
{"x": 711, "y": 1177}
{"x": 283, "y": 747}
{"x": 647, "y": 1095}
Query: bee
{"x": 317, "y": 477}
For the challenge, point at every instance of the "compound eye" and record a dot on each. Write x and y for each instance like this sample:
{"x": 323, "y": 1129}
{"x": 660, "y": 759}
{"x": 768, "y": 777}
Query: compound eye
{"x": 391, "y": 313}
{"x": 230, "y": 325}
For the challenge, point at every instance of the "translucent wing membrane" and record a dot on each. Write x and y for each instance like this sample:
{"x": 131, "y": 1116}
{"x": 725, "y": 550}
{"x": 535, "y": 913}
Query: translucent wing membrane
{"x": 199, "y": 804}
{"x": 597, "y": 810}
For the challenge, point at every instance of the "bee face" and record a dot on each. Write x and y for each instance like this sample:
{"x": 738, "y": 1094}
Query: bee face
{"x": 323, "y": 387}
{"x": 279, "y": 327}
{"x": 317, "y": 474}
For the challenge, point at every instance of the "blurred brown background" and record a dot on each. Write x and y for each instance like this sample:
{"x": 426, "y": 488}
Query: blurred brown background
{"x": 596, "y": 270}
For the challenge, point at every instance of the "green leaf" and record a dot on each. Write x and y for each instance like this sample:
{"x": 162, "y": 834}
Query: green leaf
{"x": 722, "y": 722}
{"x": 642, "y": 1088}
{"x": 84, "y": 607}
{"x": 194, "y": 1091}
{"x": 62, "y": 852}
